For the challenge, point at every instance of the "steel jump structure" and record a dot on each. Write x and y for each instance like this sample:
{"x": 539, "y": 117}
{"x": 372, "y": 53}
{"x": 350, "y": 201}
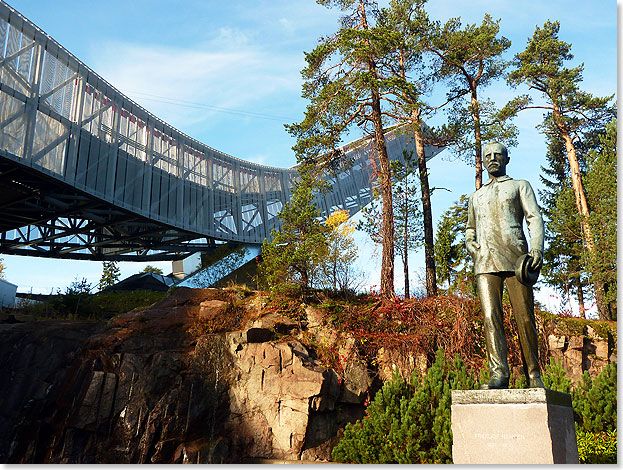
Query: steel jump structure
{"x": 86, "y": 173}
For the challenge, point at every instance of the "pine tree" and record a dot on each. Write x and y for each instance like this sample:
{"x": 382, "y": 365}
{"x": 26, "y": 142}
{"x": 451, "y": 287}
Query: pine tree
{"x": 555, "y": 377}
{"x": 152, "y": 269}
{"x": 595, "y": 400}
{"x": 601, "y": 194}
{"x": 408, "y": 233}
{"x": 446, "y": 250}
{"x": 408, "y": 422}
{"x": 469, "y": 59}
{"x": 405, "y": 26}
{"x": 366, "y": 441}
{"x": 408, "y": 221}
{"x": 110, "y": 274}
{"x": 571, "y": 111}
{"x": 563, "y": 266}
{"x": 290, "y": 262}
{"x": 453, "y": 263}
{"x": 344, "y": 85}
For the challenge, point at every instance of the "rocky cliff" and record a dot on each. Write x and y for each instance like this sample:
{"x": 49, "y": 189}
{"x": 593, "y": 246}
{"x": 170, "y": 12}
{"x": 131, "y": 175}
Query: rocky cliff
{"x": 157, "y": 385}
{"x": 204, "y": 376}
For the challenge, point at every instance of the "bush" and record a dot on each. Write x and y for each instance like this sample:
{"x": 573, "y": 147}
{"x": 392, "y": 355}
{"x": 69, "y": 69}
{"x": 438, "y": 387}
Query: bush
{"x": 408, "y": 422}
{"x": 599, "y": 448}
{"x": 595, "y": 401}
{"x": 594, "y": 409}
{"x": 100, "y": 306}
{"x": 290, "y": 262}
{"x": 555, "y": 377}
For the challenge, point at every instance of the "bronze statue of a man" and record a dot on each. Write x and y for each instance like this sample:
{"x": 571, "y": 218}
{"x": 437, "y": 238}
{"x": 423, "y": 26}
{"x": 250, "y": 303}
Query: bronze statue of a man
{"x": 495, "y": 239}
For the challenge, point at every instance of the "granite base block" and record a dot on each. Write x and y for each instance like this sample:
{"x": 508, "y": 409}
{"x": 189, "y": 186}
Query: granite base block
{"x": 525, "y": 426}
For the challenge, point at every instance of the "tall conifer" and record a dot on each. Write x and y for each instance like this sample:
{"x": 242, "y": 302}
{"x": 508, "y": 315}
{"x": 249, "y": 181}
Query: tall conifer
{"x": 344, "y": 85}
{"x": 468, "y": 58}
{"x": 572, "y": 111}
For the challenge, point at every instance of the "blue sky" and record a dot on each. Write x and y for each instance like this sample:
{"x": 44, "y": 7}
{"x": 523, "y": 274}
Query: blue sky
{"x": 227, "y": 74}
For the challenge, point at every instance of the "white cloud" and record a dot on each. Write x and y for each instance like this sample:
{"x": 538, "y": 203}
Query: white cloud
{"x": 287, "y": 25}
{"x": 228, "y": 72}
{"x": 260, "y": 159}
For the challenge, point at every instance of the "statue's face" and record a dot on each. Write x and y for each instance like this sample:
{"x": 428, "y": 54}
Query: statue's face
{"x": 495, "y": 160}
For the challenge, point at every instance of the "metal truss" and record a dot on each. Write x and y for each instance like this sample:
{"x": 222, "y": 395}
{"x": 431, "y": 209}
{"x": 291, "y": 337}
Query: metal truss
{"x": 39, "y": 217}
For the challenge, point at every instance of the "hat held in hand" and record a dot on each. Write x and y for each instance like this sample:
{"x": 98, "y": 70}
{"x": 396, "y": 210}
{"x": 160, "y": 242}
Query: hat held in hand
{"x": 525, "y": 274}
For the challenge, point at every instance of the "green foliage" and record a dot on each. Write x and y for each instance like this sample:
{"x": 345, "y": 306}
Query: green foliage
{"x": 469, "y": 59}
{"x": 406, "y": 28}
{"x": 343, "y": 85}
{"x": 73, "y": 299}
{"x": 595, "y": 401}
{"x": 595, "y": 409}
{"x": 516, "y": 382}
{"x": 597, "y": 448}
{"x": 361, "y": 75}
{"x": 306, "y": 253}
{"x": 366, "y": 440}
{"x": 408, "y": 422}
{"x": 573, "y": 115}
{"x": 108, "y": 304}
{"x": 555, "y": 377}
{"x": 291, "y": 261}
{"x": 454, "y": 266}
{"x": 339, "y": 81}
{"x": 541, "y": 66}
{"x": 563, "y": 266}
{"x": 77, "y": 303}
{"x": 407, "y": 212}
{"x": 574, "y": 326}
{"x": 600, "y": 183}
{"x": 568, "y": 266}
{"x": 408, "y": 224}
{"x": 446, "y": 250}
{"x": 110, "y": 274}
{"x": 78, "y": 287}
{"x": 152, "y": 269}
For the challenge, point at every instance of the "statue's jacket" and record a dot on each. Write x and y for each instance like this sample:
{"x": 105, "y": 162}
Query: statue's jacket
{"x": 495, "y": 218}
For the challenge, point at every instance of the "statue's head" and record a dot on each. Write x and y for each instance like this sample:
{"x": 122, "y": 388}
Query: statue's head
{"x": 495, "y": 158}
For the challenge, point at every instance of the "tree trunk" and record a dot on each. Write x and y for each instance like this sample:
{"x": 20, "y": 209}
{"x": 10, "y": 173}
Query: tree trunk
{"x": 387, "y": 263}
{"x": 405, "y": 267}
{"x": 580, "y": 293}
{"x": 603, "y": 307}
{"x": 427, "y": 213}
{"x": 404, "y": 219}
{"x": 477, "y": 136}
{"x": 304, "y": 280}
{"x": 582, "y": 206}
{"x": 612, "y": 306}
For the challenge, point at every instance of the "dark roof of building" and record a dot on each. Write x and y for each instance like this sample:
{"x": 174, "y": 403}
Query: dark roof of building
{"x": 144, "y": 281}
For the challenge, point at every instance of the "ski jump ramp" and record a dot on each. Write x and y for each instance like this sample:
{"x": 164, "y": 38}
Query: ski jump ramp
{"x": 86, "y": 173}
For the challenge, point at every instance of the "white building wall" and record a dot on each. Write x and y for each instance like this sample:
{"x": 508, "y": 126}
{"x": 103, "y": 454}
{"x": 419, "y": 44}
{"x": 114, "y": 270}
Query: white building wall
{"x": 7, "y": 294}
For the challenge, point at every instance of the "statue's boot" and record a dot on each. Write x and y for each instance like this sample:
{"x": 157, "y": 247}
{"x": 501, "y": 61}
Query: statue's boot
{"x": 535, "y": 382}
{"x": 495, "y": 383}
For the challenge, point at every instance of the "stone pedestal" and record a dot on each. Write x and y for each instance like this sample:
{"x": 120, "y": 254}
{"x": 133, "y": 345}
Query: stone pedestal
{"x": 526, "y": 426}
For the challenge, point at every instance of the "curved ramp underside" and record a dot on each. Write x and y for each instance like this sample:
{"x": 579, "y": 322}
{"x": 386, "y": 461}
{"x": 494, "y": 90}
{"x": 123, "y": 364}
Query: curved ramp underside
{"x": 86, "y": 173}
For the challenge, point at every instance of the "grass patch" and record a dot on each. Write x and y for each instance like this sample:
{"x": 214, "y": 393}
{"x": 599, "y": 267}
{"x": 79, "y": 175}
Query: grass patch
{"x": 99, "y": 306}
